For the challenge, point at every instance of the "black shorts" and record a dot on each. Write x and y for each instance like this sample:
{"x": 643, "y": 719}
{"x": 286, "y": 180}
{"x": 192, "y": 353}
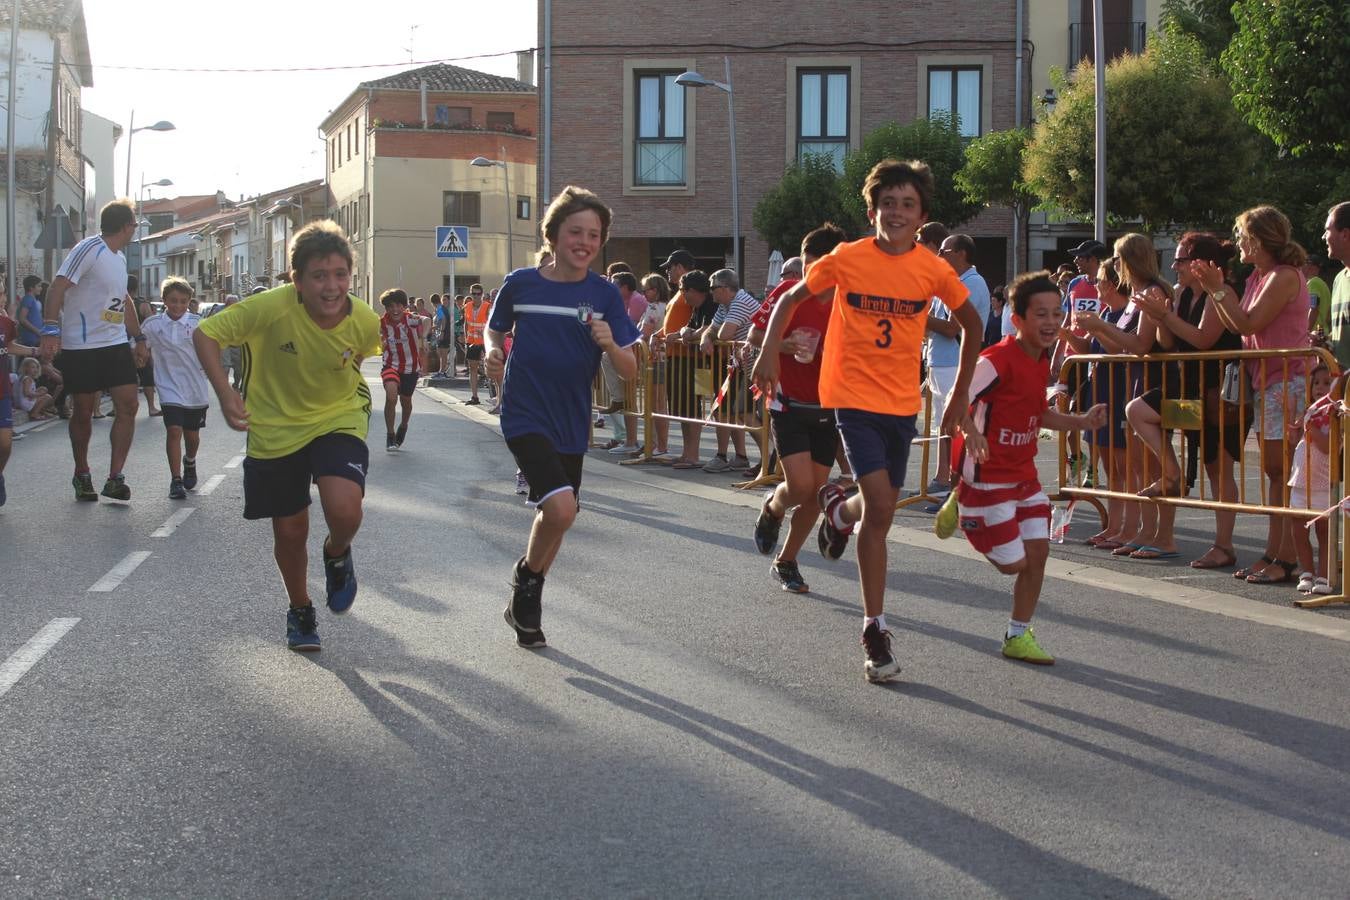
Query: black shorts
{"x": 1080, "y": 393}
{"x": 443, "y": 341}
{"x": 406, "y": 381}
{"x": 805, "y": 429}
{"x": 276, "y": 488}
{"x": 547, "y": 471}
{"x": 680, "y": 390}
{"x": 145, "y": 375}
{"x": 188, "y": 418}
{"x": 474, "y": 352}
{"x": 99, "y": 369}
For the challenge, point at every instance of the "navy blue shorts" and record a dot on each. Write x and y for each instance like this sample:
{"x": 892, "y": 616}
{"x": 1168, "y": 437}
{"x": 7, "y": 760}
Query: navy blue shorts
{"x": 279, "y": 487}
{"x": 874, "y": 441}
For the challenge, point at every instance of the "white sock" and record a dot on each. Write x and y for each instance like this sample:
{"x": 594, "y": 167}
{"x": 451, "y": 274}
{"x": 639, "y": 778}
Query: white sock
{"x": 1015, "y": 628}
{"x": 880, "y": 620}
{"x": 189, "y": 459}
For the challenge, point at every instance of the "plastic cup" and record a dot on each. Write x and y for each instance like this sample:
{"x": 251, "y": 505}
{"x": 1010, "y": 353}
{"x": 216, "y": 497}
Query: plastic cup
{"x": 807, "y": 340}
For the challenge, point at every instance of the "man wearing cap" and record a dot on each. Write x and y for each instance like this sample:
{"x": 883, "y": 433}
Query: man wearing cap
{"x": 1081, "y": 296}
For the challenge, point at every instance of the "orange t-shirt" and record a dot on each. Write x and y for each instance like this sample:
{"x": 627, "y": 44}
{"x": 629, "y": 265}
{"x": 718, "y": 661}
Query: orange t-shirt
{"x": 872, "y": 348}
{"x": 678, "y": 314}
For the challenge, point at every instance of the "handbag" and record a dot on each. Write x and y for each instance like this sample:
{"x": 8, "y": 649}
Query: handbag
{"x": 1230, "y": 390}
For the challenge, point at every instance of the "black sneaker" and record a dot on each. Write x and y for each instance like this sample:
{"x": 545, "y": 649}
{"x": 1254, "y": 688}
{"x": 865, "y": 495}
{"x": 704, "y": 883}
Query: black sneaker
{"x": 831, "y": 540}
{"x": 881, "y": 665}
{"x": 524, "y": 611}
{"x": 390, "y": 443}
{"x": 115, "y": 488}
{"x": 789, "y": 576}
{"x": 189, "y": 474}
{"x": 472, "y": 401}
{"x": 766, "y": 528}
{"x": 301, "y": 632}
{"x": 84, "y": 487}
{"x": 340, "y": 577}
{"x": 176, "y": 490}
{"x": 400, "y": 435}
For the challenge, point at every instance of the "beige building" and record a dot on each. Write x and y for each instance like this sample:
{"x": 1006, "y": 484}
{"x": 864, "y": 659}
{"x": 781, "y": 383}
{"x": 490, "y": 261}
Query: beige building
{"x": 399, "y": 163}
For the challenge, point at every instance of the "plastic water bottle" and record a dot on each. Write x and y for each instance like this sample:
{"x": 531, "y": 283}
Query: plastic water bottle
{"x": 1060, "y": 517}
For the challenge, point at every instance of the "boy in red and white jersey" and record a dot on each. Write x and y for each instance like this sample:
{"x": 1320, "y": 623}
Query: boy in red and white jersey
{"x": 1003, "y": 510}
{"x": 400, "y": 336}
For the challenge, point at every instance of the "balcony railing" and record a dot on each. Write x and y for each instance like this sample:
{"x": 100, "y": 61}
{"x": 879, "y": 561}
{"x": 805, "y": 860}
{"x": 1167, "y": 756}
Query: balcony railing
{"x": 1120, "y": 37}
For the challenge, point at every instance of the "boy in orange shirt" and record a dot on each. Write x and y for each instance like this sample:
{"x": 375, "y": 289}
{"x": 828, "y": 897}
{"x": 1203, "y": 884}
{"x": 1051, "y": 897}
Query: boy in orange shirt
{"x": 870, "y": 373}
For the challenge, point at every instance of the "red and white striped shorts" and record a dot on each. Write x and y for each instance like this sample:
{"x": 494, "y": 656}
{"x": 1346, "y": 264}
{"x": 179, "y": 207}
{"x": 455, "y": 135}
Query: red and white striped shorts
{"x": 998, "y": 518}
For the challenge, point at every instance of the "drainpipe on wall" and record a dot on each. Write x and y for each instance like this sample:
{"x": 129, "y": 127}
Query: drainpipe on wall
{"x": 546, "y": 194}
{"x": 1017, "y": 120}
{"x": 49, "y": 200}
{"x": 424, "y": 103}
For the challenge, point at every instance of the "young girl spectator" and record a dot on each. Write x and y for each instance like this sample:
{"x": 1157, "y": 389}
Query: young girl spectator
{"x": 1310, "y": 480}
{"x": 657, "y": 291}
{"x": 1271, "y": 315}
{"x": 28, "y": 396}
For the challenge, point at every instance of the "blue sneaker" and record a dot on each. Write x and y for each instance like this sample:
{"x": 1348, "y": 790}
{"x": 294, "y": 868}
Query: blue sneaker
{"x": 340, "y": 575}
{"x": 301, "y": 632}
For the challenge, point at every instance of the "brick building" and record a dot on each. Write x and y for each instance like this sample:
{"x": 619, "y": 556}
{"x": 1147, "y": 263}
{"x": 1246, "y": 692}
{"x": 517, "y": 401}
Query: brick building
{"x": 399, "y": 154}
{"x": 658, "y": 153}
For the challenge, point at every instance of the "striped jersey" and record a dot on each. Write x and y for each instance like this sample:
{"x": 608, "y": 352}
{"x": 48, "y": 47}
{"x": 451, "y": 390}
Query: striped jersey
{"x": 94, "y": 311}
{"x": 1007, "y": 401}
{"x": 399, "y": 339}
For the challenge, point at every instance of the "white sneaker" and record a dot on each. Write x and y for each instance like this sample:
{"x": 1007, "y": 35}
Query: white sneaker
{"x": 1306, "y": 582}
{"x": 624, "y": 450}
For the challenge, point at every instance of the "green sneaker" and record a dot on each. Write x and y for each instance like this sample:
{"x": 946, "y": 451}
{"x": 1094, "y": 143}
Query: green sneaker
{"x": 116, "y": 488}
{"x": 948, "y": 516}
{"x": 1024, "y": 648}
{"x": 84, "y": 488}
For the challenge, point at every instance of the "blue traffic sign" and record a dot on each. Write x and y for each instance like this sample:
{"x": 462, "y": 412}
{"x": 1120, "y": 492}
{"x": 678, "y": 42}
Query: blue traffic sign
{"x": 452, "y": 242}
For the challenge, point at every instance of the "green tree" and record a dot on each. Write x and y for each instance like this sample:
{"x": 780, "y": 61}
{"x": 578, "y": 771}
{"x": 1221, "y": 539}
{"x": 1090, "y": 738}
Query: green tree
{"x": 1289, "y": 64}
{"x": 1176, "y": 148}
{"x": 1209, "y": 21}
{"x": 807, "y": 197}
{"x": 992, "y": 175}
{"x": 935, "y": 141}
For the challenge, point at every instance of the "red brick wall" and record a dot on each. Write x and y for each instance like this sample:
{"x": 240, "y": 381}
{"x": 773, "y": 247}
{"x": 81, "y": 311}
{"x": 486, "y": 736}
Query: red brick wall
{"x": 588, "y": 127}
{"x": 433, "y": 144}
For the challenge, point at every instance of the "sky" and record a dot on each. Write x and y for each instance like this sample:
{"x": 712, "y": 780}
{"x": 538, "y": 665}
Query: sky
{"x": 252, "y": 132}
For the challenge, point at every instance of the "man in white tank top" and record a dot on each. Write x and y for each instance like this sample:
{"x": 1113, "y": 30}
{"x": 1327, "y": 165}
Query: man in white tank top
{"x": 89, "y": 319}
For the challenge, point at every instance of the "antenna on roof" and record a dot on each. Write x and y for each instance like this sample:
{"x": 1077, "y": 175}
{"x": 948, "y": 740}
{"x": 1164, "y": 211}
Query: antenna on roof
{"x": 412, "y": 42}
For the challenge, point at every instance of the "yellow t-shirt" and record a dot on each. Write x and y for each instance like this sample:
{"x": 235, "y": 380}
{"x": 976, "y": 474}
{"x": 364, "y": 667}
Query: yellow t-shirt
{"x": 300, "y": 381}
{"x": 871, "y": 356}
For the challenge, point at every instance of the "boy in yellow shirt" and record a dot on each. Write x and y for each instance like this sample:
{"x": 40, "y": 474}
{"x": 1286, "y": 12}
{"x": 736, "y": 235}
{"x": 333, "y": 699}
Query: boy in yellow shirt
{"x": 306, "y": 408}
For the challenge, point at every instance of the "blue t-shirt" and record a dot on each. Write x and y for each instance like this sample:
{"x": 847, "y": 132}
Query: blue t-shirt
{"x": 34, "y": 306}
{"x": 553, "y": 361}
{"x": 945, "y": 352}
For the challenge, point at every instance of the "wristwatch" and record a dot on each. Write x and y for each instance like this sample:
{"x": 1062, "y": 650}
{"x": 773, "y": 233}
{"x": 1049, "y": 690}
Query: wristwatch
{"x": 1219, "y": 295}
{"x": 139, "y": 338}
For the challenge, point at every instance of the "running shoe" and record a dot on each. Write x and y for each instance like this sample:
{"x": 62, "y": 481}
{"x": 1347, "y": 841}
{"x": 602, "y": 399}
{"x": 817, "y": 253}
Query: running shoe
{"x": 301, "y": 632}
{"x": 340, "y": 576}
{"x": 881, "y": 664}
{"x": 84, "y": 487}
{"x": 524, "y": 611}
{"x": 176, "y": 490}
{"x": 115, "y": 488}
{"x": 189, "y": 473}
{"x": 1024, "y": 648}
{"x": 766, "y": 528}
{"x": 390, "y": 444}
{"x": 401, "y": 435}
{"x": 790, "y": 577}
{"x": 522, "y": 486}
{"x": 948, "y": 517}
{"x": 472, "y": 401}
{"x": 717, "y": 464}
{"x": 831, "y": 540}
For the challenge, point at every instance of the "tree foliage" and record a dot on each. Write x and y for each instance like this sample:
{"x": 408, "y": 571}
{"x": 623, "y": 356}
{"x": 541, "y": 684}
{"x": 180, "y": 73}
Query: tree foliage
{"x": 807, "y": 197}
{"x": 935, "y": 141}
{"x": 1208, "y": 21}
{"x": 992, "y": 174}
{"x": 1175, "y": 144}
{"x": 1289, "y": 64}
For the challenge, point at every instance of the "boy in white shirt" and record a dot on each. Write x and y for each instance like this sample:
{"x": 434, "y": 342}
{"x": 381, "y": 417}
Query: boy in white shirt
{"x": 184, "y": 392}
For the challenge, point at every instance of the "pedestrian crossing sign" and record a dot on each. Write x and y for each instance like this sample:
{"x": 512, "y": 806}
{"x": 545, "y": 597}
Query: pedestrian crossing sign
{"x": 452, "y": 242}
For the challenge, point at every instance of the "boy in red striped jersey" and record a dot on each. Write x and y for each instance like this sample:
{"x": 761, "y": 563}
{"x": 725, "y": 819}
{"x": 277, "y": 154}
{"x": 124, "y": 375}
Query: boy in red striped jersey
{"x": 400, "y": 336}
{"x": 1003, "y": 510}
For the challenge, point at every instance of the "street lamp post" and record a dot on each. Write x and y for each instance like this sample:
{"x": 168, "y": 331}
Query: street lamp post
{"x": 484, "y": 162}
{"x": 695, "y": 80}
{"x": 131, "y": 130}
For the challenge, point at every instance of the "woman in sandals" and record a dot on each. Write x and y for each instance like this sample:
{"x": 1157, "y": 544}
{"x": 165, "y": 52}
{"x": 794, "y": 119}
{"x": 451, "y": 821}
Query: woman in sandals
{"x": 1272, "y": 314}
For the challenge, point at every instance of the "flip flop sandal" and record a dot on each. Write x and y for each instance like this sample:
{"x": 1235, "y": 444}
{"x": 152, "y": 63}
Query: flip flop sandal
{"x": 1202, "y": 564}
{"x": 1153, "y": 553}
{"x": 1247, "y": 571}
{"x": 1126, "y": 549}
{"x": 686, "y": 464}
{"x": 1264, "y": 576}
{"x": 1107, "y": 545}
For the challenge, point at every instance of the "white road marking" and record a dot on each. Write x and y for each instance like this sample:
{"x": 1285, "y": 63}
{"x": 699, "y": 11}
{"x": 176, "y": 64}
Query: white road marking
{"x": 236, "y": 462}
{"x": 27, "y": 656}
{"x": 210, "y": 485}
{"x": 171, "y": 525}
{"x": 118, "y": 573}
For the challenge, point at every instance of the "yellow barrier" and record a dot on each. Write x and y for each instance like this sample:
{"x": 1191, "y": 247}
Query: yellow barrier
{"x": 1187, "y": 410}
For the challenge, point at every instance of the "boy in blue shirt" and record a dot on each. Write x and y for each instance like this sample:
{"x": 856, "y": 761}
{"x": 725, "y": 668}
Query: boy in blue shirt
{"x": 564, "y": 317}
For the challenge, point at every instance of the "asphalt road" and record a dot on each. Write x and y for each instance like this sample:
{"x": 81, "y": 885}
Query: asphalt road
{"x": 691, "y": 730}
